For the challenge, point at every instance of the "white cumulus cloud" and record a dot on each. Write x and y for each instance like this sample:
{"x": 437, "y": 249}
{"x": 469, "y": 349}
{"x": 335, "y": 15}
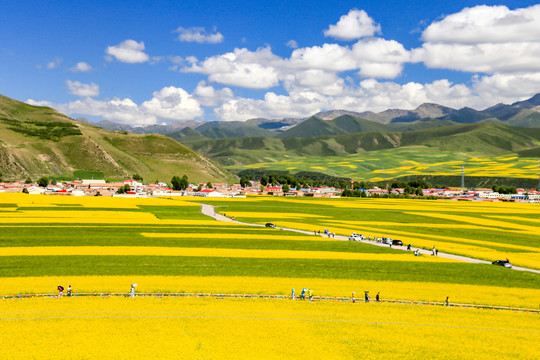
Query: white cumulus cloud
{"x": 128, "y": 51}
{"x": 486, "y": 24}
{"x": 81, "y": 67}
{"x": 171, "y": 103}
{"x": 199, "y": 35}
{"x": 207, "y": 95}
{"x": 83, "y": 90}
{"x": 168, "y": 104}
{"x": 486, "y": 39}
{"x": 244, "y": 68}
{"x": 355, "y": 25}
{"x": 292, "y": 44}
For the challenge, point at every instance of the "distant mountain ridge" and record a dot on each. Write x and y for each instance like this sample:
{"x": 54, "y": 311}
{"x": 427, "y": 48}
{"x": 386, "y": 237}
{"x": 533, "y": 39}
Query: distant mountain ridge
{"x": 524, "y": 113}
{"x": 481, "y": 138}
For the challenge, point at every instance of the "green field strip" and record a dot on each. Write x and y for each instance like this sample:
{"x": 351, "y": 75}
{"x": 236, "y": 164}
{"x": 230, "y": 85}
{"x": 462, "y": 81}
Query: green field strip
{"x": 8, "y": 205}
{"x": 175, "y": 212}
{"x": 341, "y": 213}
{"x": 112, "y": 230}
{"x": 218, "y": 227}
{"x": 102, "y": 237}
{"x": 431, "y": 273}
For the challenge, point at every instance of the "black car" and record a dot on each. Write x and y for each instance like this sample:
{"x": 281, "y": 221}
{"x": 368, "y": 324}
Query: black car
{"x": 270, "y": 225}
{"x": 397, "y": 242}
{"x": 504, "y": 263}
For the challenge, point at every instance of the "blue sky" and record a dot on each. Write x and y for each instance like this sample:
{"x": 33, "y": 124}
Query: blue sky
{"x": 147, "y": 62}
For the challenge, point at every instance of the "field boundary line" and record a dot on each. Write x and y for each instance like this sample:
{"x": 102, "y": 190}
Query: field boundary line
{"x": 276, "y": 297}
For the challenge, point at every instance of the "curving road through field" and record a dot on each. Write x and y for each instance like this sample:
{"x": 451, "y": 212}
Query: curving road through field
{"x": 209, "y": 210}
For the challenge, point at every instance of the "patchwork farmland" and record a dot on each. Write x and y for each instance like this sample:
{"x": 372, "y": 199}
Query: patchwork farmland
{"x": 166, "y": 246}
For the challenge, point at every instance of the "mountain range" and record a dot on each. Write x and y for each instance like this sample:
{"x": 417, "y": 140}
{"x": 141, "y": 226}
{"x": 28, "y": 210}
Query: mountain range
{"x": 522, "y": 113}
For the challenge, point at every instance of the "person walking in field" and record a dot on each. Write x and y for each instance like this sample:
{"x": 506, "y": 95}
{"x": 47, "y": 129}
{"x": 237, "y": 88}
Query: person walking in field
{"x": 409, "y": 247}
{"x": 132, "y": 292}
{"x": 446, "y": 302}
{"x": 292, "y": 295}
{"x": 310, "y": 293}
{"x": 366, "y": 296}
{"x": 60, "y": 289}
{"x": 353, "y": 298}
{"x": 303, "y": 294}
{"x": 377, "y": 298}
{"x": 69, "y": 291}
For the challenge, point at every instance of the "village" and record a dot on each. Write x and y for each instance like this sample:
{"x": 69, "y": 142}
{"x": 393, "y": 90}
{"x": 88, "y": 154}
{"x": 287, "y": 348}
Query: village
{"x": 134, "y": 188}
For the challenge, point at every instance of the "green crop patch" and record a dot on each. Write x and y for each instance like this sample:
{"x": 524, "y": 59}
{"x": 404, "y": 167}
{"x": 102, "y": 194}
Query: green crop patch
{"x": 472, "y": 274}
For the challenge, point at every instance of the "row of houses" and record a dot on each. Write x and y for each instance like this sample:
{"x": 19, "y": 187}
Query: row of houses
{"x": 137, "y": 189}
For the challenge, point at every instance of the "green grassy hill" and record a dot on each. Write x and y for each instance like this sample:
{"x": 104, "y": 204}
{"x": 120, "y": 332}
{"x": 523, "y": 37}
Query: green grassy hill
{"x": 36, "y": 141}
{"x": 231, "y": 129}
{"x": 381, "y": 155}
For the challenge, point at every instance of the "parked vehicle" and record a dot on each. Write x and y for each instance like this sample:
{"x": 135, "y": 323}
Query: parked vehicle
{"x": 386, "y": 241}
{"x": 397, "y": 242}
{"x": 270, "y": 225}
{"x": 504, "y": 263}
{"x": 355, "y": 237}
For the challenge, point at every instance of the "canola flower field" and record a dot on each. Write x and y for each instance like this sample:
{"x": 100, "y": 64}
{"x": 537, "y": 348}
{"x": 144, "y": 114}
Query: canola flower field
{"x": 405, "y": 161}
{"x": 167, "y": 245}
{"x": 482, "y": 230}
{"x": 205, "y": 328}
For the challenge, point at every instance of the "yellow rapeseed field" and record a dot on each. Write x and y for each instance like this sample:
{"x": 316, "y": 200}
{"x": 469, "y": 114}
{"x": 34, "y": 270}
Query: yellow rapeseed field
{"x": 389, "y": 289}
{"x": 190, "y": 328}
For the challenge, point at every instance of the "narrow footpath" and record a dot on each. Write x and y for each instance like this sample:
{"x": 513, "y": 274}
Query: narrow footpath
{"x": 209, "y": 210}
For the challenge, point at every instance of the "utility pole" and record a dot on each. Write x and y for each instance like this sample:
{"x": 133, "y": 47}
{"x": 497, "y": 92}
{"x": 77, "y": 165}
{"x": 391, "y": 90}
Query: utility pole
{"x": 463, "y": 177}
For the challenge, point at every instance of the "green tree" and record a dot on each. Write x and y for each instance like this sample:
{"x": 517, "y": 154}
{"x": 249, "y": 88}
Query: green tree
{"x": 199, "y": 188}
{"x": 294, "y": 183}
{"x": 123, "y": 189}
{"x": 264, "y": 180}
{"x": 28, "y": 181}
{"x": 175, "y": 182}
{"x": 285, "y": 188}
{"x": 244, "y": 182}
{"x": 43, "y": 181}
{"x": 184, "y": 182}
{"x": 209, "y": 185}
{"x": 137, "y": 177}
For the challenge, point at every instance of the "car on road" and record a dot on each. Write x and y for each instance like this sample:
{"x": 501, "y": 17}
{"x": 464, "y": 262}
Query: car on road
{"x": 355, "y": 237}
{"x": 270, "y": 225}
{"x": 504, "y": 263}
{"x": 386, "y": 241}
{"x": 397, "y": 242}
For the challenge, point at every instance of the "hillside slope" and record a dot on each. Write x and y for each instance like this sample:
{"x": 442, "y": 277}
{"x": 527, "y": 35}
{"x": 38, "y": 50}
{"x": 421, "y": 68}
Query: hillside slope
{"x": 481, "y": 138}
{"x": 36, "y": 141}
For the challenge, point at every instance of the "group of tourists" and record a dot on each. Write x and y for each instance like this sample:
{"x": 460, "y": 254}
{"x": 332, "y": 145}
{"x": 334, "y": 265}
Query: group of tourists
{"x": 305, "y": 292}
{"x": 326, "y": 232}
{"x": 366, "y": 296}
{"x": 60, "y": 290}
